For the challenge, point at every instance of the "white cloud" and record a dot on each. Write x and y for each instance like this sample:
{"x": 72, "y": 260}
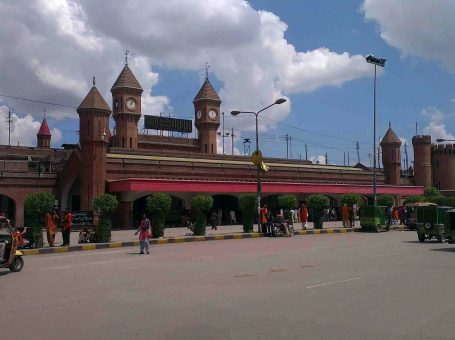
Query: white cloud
{"x": 55, "y": 47}
{"x": 320, "y": 159}
{"x": 23, "y": 129}
{"x": 419, "y": 28}
{"x": 436, "y": 126}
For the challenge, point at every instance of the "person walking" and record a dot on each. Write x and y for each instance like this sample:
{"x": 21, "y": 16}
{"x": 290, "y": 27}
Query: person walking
{"x": 51, "y": 222}
{"x": 263, "y": 212}
{"x": 213, "y": 219}
{"x": 220, "y": 216}
{"x": 232, "y": 217}
{"x": 345, "y": 215}
{"x": 304, "y": 216}
{"x": 67, "y": 223}
{"x": 144, "y": 231}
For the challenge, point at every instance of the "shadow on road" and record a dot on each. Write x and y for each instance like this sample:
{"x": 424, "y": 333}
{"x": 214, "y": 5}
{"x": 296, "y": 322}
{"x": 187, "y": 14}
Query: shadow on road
{"x": 448, "y": 250}
{"x": 426, "y": 242}
{"x": 6, "y": 272}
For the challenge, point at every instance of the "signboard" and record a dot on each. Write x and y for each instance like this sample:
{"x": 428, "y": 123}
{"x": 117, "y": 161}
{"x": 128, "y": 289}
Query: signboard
{"x": 82, "y": 218}
{"x": 168, "y": 124}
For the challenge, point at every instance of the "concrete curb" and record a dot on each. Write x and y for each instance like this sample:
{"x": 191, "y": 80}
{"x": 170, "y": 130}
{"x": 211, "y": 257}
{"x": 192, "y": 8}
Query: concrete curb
{"x": 184, "y": 239}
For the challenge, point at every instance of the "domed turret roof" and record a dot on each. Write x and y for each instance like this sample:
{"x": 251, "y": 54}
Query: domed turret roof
{"x": 126, "y": 78}
{"x": 390, "y": 137}
{"x": 94, "y": 100}
{"x": 44, "y": 129}
{"x": 207, "y": 92}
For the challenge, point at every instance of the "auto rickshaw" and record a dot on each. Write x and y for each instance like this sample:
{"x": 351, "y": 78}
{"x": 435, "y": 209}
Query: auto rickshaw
{"x": 373, "y": 218}
{"x": 411, "y": 213}
{"x": 431, "y": 223}
{"x": 12, "y": 258}
{"x": 450, "y": 226}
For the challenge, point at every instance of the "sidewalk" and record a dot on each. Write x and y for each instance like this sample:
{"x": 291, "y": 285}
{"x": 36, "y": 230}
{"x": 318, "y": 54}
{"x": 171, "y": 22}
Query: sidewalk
{"x": 128, "y": 235}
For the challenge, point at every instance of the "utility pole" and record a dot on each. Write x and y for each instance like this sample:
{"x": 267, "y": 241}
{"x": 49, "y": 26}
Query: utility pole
{"x": 287, "y": 138}
{"x": 348, "y": 159}
{"x": 358, "y": 153}
{"x": 306, "y": 152}
{"x": 290, "y": 145}
{"x": 9, "y": 120}
{"x": 369, "y": 157}
{"x": 344, "y": 158}
{"x": 246, "y": 146}
{"x": 379, "y": 163}
{"x": 326, "y": 161}
{"x": 232, "y": 138}
{"x": 406, "y": 155}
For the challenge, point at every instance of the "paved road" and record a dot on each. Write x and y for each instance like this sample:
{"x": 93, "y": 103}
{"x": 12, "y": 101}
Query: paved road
{"x": 340, "y": 286}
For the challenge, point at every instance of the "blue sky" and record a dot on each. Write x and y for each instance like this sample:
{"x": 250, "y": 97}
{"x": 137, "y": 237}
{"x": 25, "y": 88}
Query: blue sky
{"x": 415, "y": 86}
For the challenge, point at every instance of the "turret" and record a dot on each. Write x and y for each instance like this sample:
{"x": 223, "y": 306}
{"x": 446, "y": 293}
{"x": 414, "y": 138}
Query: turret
{"x": 93, "y": 128}
{"x": 126, "y": 100}
{"x": 422, "y": 160}
{"x": 44, "y": 135}
{"x": 207, "y": 116}
{"x": 391, "y": 157}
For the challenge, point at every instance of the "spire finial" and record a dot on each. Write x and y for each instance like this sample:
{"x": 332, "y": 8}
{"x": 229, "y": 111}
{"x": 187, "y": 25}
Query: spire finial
{"x": 44, "y": 113}
{"x": 390, "y": 125}
{"x": 126, "y": 55}
{"x": 207, "y": 66}
{"x": 94, "y": 81}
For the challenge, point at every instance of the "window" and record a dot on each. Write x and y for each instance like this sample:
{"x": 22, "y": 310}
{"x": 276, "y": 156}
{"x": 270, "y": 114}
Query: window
{"x": 206, "y": 151}
{"x": 123, "y": 141}
{"x": 131, "y": 142}
{"x": 212, "y": 148}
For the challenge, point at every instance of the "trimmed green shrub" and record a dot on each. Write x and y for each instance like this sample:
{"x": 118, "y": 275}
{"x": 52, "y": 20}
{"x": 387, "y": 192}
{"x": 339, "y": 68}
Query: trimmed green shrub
{"x": 287, "y": 202}
{"x": 105, "y": 204}
{"x": 158, "y": 205}
{"x": 248, "y": 204}
{"x": 317, "y": 202}
{"x": 201, "y": 204}
{"x": 350, "y": 199}
{"x": 385, "y": 201}
{"x": 35, "y": 207}
{"x": 415, "y": 199}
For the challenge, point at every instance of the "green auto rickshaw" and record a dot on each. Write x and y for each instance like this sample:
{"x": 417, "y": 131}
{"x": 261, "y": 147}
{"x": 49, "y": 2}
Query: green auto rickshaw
{"x": 373, "y": 218}
{"x": 450, "y": 226}
{"x": 431, "y": 223}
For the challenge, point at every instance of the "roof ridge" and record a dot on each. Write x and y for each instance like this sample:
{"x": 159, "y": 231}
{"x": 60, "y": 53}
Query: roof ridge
{"x": 126, "y": 78}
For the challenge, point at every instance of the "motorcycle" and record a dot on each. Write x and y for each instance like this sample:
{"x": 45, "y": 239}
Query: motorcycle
{"x": 12, "y": 258}
{"x": 282, "y": 227}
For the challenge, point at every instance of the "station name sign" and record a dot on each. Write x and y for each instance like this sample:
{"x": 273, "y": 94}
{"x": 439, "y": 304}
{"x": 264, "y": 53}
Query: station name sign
{"x": 168, "y": 124}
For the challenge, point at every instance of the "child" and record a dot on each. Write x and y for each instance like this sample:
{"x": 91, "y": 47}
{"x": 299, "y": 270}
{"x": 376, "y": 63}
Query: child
{"x": 144, "y": 234}
{"x": 22, "y": 242}
{"x": 84, "y": 235}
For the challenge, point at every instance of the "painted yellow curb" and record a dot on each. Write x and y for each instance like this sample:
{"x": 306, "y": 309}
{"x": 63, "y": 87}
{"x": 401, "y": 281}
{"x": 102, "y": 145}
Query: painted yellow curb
{"x": 199, "y": 238}
{"x": 115, "y": 245}
{"x": 88, "y": 246}
{"x": 330, "y": 231}
{"x": 60, "y": 250}
{"x": 30, "y": 251}
{"x": 161, "y": 241}
{"x": 238, "y": 236}
{"x": 218, "y": 237}
{"x": 316, "y": 231}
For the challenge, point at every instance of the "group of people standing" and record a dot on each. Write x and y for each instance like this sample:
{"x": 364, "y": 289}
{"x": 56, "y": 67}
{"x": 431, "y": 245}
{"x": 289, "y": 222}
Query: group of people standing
{"x": 51, "y": 222}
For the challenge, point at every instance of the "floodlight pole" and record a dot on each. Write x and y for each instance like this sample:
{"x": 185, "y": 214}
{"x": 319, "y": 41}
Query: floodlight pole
{"x": 376, "y": 62}
{"x": 258, "y": 166}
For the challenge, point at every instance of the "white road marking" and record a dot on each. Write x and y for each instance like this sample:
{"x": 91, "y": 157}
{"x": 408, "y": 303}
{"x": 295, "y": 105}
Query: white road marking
{"x": 332, "y": 283}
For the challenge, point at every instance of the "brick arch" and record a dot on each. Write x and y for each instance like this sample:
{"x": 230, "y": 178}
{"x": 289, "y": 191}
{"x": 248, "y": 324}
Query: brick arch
{"x": 8, "y": 206}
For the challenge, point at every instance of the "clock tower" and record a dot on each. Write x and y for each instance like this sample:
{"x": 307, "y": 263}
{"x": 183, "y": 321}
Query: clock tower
{"x": 126, "y": 105}
{"x": 207, "y": 105}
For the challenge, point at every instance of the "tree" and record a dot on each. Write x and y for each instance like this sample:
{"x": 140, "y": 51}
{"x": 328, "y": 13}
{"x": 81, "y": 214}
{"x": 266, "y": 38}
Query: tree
{"x": 248, "y": 204}
{"x": 287, "y": 202}
{"x": 385, "y": 201}
{"x": 158, "y": 205}
{"x": 35, "y": 207}
{"x": 105, "y": 204}
{"x": 415, "y": 199}
{"x": 201, "y": 204}
{"x": 350, "y": 199}
{"x": 317, "y": 202}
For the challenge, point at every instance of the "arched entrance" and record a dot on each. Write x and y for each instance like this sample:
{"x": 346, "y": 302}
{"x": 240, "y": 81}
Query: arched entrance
{"x": 226, "y": 203}
{"x": 71, "y": 195}
{"x": 173, "y": 217}
{"x": 8, "y": 207}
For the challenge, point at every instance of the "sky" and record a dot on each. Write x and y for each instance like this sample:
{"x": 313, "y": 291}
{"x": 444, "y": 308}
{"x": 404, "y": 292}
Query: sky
{"x": 312, "y": 53}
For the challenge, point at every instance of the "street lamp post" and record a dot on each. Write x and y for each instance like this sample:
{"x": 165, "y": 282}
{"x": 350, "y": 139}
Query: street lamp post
{"x": 376, "y": 62}
{"x": 439, "y": 140}
{"x": 258, "y": 166}
{"x": 223, "y": 134}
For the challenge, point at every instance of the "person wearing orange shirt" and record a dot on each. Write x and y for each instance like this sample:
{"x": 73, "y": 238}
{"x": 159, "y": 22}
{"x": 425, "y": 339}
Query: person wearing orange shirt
{"x": 263, "y": 217}
{"x": 50, "y": 222}
{"x": 345, "y": 216}
{"x": 67, "y": 223}
{"x": 304, "y": 216}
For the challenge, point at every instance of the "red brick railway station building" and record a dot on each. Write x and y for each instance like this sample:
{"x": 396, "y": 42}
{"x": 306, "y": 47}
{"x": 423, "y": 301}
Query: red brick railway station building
{"x": 132, "y": 166}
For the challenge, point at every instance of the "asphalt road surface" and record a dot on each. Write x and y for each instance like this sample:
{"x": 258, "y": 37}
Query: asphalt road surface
{"x": 340, "y": 286}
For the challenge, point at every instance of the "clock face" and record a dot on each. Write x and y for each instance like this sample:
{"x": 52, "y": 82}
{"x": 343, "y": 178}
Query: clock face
{"x": 131, "y": 104}
{"x": 212, "y": 114}
{"x": 199, "y": 115}
{"x": 116, "y": 104}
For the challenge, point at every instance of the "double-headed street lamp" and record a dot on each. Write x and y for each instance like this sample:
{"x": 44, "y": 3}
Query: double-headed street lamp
{"x": 439, "y": 140}
{"x": 376, "y": 62}
{"x": 258, "y": 165}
